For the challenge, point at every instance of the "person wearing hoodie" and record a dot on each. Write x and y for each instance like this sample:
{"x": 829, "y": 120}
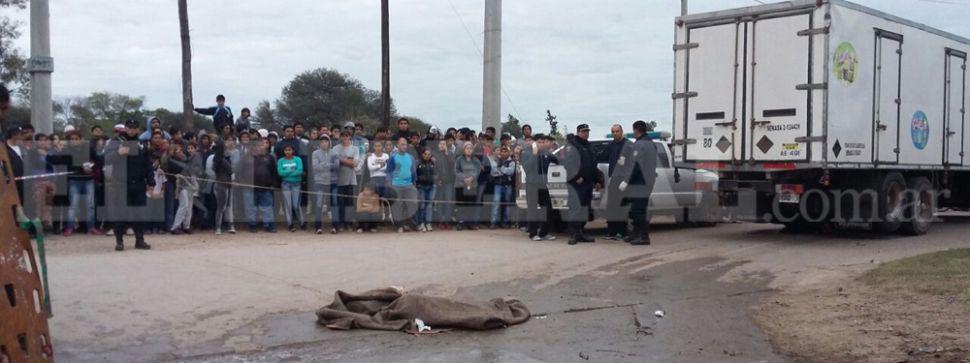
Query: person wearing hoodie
{"x": 153, "y": 124}
{"x": 221, "y": 114}
{"x": 377, "y": 166}
{"x": 243, "y": 123}
{"x": 324, "y": 164}
{"x": 425, "y": 183}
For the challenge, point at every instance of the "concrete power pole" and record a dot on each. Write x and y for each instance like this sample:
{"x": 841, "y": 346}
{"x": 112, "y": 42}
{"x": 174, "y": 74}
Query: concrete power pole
{"x": 492, "y": 85}
{"x": 385, "y": 65}
{"x": 683, "y": 7}
{"x": 41, "y": 66}
{"x": 187, "y": 99}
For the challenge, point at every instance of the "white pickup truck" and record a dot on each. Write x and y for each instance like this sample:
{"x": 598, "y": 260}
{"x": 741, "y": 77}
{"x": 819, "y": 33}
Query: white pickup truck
{"x": 688, "y": 194}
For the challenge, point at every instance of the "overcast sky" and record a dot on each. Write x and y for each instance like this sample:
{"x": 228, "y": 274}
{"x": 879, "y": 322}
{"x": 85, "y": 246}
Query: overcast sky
{"x": 588, "y": 61}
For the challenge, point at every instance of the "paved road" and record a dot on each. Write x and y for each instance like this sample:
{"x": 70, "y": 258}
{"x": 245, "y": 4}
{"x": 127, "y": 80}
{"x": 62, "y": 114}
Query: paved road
{"x": 251, "y": 297}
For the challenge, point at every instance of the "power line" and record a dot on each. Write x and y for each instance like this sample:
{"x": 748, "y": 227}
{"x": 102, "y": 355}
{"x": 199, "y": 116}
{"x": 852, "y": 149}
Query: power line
{"x": 481, "y": 55}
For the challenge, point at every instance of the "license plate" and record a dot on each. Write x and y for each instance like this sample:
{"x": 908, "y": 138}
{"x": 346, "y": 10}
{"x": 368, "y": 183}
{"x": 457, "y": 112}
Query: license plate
{"x": 790, "y": 198}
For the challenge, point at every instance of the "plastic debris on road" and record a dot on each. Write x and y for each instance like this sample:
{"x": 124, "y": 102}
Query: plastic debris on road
{"x": 421, "y": 326}
{"x": 659, "y": 313}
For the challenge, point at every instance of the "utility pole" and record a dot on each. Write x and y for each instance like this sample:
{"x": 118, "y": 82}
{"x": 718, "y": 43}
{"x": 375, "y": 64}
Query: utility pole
{"x": 683, "y": 7}
{"x": 492, "y": 83}
{"x": 186, "y": 66}
{"x": 41, "y": 65}
{"x": 385, "y": 65}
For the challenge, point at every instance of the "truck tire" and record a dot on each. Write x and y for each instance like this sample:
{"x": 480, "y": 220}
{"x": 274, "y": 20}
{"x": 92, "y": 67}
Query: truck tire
{"x": 920, "y": 207}
{"x": 892, "y": 196}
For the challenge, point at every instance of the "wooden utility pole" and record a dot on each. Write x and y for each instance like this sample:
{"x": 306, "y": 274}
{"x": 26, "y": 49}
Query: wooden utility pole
{"x": 385, "y": 65}
{"x": 683, "y": 7}
{"x": 186, "y": 66}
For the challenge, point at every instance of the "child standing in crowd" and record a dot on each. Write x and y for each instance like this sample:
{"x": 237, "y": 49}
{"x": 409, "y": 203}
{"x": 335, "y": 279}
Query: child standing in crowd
{"x": 290, "y": 170}
{"x": 425, "y": 183}
{"x": 503, "y": 175}
{"x": 467, "y": 168}
{"x": 368, "y": 210}
{"x": 377, "y": 165}
{"x": 186, "y": 186}
{"x": 323, "y": 165}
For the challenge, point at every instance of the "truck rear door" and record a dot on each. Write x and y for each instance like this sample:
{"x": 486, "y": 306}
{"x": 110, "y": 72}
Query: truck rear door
{"x": 955, "y": 110}
{"x": 712, "y": 107}
{"x": 778, "y": 65}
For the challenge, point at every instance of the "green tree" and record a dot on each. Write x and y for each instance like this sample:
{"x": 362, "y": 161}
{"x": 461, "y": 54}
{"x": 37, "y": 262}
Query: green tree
{"x": 512, "y": 127}
{"x": 325, "y": 96}
{"x": 13, "y": 64}
{"x": 265, "y": 116}
{"x": 553, "y": 124}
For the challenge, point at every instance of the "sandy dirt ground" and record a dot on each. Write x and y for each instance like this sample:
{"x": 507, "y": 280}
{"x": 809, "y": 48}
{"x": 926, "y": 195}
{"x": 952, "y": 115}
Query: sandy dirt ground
{"x": 251, "y": 297}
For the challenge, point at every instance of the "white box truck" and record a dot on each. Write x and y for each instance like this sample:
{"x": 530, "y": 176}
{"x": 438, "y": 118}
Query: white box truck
{"x": 823, "y": 112}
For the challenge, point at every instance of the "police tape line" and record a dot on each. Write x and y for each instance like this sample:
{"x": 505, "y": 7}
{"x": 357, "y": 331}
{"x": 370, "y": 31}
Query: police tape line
{"x": 389, "y": 199}
{"x": 42, "y": 176}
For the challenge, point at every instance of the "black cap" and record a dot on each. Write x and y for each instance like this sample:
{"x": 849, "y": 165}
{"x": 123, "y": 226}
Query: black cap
{"x": 582, "y": 127}
{"x": 14, "y": 130}
{"x": 131, "y": 123}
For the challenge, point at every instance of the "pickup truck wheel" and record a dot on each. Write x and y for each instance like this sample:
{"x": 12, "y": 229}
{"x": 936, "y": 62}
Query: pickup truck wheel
{"x": 920, "y": 207}
{"x": 892, "y": 198}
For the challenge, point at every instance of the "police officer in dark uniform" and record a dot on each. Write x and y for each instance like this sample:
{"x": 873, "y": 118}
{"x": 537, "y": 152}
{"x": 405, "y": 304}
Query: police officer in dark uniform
{"x": 132, "y": 178}
{"x": 535, "y": 162}
{"x": 582, "y": 178}
{"x": 637, "y": 167}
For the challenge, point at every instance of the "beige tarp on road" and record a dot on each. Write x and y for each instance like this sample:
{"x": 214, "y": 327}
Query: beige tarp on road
{"x": 391, "y": 309}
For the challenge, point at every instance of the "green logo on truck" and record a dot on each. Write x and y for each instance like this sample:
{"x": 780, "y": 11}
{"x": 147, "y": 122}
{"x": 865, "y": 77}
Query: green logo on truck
{"x": 846, "y": 63}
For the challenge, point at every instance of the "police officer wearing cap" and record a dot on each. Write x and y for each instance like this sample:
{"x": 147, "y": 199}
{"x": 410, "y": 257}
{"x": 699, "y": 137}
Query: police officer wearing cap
{"x": 132, "y": 180}
{"x": 582, "y": 177}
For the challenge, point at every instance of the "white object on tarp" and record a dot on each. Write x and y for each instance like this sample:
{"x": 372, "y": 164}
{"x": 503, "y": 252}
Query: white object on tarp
{"x": 421, "y": 326}
{"x": 659, "y": 313}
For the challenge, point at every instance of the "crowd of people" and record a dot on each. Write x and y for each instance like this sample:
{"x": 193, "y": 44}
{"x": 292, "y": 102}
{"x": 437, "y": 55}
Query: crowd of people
{"x": 143, "y": 179}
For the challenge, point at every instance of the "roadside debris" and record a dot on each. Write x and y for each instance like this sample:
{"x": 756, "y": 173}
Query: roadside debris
{"x": 421, "y": 326}
{"x": 584, "y": 355}
{"x": 659, "y": 314}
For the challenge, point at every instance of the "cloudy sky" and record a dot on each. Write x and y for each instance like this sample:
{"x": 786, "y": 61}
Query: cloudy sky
{"x": 588, "y": 61}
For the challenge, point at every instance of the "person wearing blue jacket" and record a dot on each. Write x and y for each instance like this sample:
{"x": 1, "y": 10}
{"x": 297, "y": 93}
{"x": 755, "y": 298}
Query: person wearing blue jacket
{"x": 221, "y": 114}
{"x": 400, "y": 169}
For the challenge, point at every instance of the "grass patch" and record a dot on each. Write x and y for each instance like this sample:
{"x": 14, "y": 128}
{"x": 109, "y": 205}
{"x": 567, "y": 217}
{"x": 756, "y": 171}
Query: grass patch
{"x": 944, "y": 273}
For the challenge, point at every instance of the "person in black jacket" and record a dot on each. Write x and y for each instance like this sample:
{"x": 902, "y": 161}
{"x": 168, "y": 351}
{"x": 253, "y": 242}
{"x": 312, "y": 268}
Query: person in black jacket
{"x": 133, "y": 178}
{"x": 638, "y": 172}
{"x": 535, "y": 162}
{"x": 616, "y": 212}
{"x": 16, "y": 153}
{"x": 582, "y": 177}
{"x": 221, "y": 114}
{"x": 259, "y": 168}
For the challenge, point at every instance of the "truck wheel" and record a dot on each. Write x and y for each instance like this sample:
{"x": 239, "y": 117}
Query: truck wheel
{"x": 892, "y": 198}
{"x": 920, "y": 207}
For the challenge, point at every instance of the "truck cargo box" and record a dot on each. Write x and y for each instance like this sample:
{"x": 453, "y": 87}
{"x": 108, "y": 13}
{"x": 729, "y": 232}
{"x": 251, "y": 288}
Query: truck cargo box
{"x": 818, "y": 84}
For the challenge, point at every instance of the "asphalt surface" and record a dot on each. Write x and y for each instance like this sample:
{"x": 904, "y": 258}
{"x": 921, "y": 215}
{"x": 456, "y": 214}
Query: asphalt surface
{"x": 252, "y": 297}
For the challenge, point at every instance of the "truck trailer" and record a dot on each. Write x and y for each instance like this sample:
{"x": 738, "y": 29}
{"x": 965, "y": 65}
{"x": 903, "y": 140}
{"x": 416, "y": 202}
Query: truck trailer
{"x": 824, "y": 113}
